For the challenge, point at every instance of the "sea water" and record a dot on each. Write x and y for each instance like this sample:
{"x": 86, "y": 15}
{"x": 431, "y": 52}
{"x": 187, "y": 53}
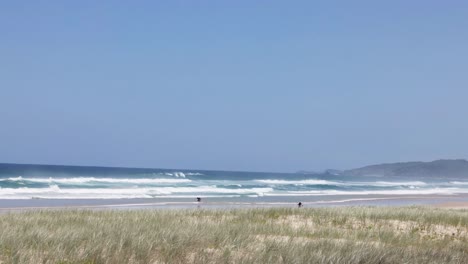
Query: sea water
{"x": 71, "y": 182}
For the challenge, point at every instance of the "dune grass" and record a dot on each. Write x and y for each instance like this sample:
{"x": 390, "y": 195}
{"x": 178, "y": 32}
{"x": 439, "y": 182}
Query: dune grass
{"x": 282, "y": 235}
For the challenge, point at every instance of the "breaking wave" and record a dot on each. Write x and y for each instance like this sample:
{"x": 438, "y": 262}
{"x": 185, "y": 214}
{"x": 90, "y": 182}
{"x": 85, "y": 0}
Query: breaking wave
{"x": 340, "y": 183}
{"x": 55, "y": 192}
{"x": 183, "y": 184}
{"x": 297, "y": 182}
{"x": 436, "y": 191}
{"x": 98, "y": 180}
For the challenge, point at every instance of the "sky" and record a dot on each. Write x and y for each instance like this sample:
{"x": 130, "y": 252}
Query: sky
{"x": 233, "y": 85}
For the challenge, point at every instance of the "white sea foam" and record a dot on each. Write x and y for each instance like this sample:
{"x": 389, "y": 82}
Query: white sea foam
{"x": 175, "y": 185}
{"x": 98, "y": 180}
{"x": 436, "y": 191}
{"x": 179, "y": 174}
{"x": 458, "y": 183}
{"x": 409, "y": 183}
{"x": 353, "y": 200}
{"x": 19, "y": 178}
{"x": 54, "y": 192}
{"x": 341, "y": 183}
{"x": 193, "y": 174}
{"x": 298, "y": 182}
{"x": 197, "y": 195}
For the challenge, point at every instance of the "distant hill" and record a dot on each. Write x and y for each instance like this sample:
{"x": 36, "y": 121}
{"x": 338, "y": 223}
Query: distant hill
{"x": 436, "y": 169}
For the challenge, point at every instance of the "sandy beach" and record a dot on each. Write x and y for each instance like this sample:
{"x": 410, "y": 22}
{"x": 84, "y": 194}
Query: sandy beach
{"x": 453, "y": 205}
{"x": 442, "y": 201}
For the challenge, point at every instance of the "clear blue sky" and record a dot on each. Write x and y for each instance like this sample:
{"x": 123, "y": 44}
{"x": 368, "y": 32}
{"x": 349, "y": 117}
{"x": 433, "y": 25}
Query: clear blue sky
{"x": 234, "y": 85}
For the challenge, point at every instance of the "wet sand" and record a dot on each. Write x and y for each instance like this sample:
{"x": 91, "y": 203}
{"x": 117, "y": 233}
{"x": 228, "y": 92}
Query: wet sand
{"x": 453, "y": 205}
{"x": 443, "y": 201}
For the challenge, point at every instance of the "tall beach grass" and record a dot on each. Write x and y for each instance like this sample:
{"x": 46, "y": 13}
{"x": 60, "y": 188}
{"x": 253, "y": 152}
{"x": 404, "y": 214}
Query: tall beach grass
{"x": 281, "y": 235}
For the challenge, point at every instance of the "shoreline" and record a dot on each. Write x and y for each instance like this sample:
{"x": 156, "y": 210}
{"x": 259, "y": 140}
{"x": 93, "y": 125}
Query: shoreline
{"x": 453, "y": 205}
{"x": 459, "y": 201}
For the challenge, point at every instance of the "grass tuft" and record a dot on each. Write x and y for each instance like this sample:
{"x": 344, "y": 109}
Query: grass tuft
{"x": 280, "y": 235}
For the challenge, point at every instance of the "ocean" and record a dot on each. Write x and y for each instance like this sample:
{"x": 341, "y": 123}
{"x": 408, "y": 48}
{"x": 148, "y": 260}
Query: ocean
{"x": 73, "y": 182}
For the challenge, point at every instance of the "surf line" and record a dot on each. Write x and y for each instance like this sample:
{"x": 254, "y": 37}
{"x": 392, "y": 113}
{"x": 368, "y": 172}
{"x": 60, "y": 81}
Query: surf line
{"x": 372, "y": 199}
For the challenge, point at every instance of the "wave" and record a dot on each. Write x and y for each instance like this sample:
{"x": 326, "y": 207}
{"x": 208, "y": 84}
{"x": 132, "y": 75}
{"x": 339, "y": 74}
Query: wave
{"x": 459, "y": 183}
{"x": 298, "y": 182}
{"x": 193, "y": 174}
{"x": 337, "y": 183}
{"x": 182, "y": 174}
{"x": 55, "y": 192}
{"x": 98, "y": 180}
{"x": 184, "y": 180}
{"x": 409, "y": 183}
{"x": 435, "y": 191}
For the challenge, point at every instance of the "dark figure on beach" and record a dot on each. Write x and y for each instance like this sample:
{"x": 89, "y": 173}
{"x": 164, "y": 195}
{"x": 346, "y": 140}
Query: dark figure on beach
{"x": 198, "y": 199}
{"x": 299, "y": 204}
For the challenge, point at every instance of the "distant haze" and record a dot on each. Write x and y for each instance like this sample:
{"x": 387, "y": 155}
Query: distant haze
{"x": 243, "y": 85}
